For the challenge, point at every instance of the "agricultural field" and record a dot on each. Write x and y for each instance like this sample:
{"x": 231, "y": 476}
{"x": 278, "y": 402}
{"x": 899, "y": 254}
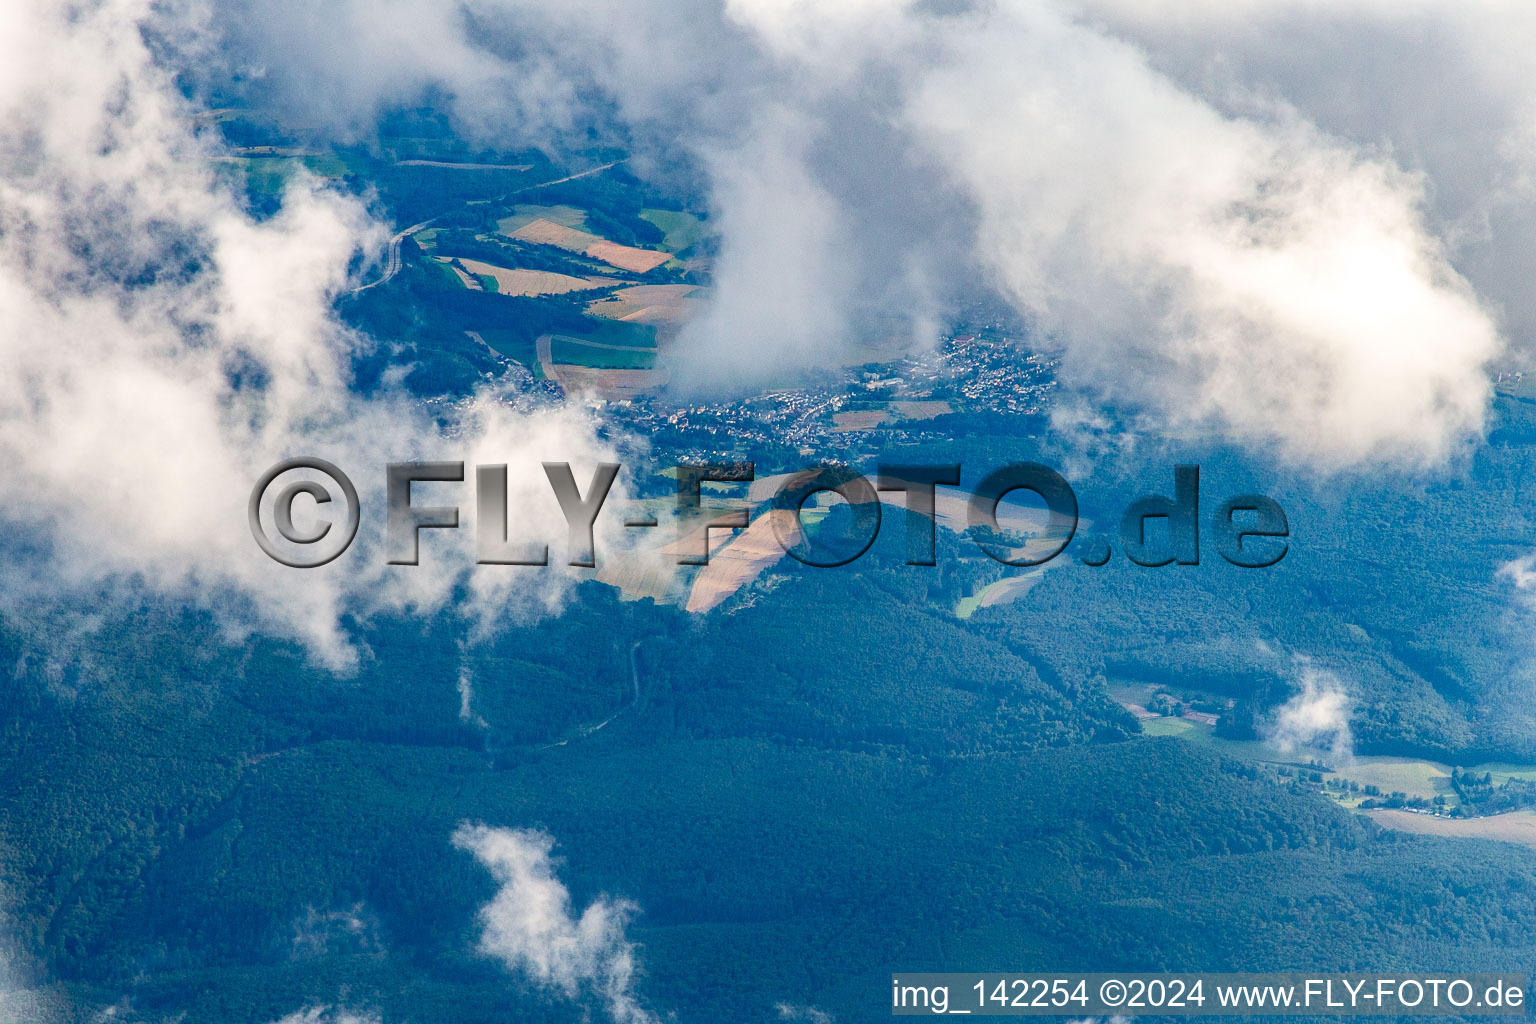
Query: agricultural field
{"x": 548, "y": 232}
{"x": 545, "y": 231}
{"x": 889, "y": 414}
{"x": 923, "y": 410}
{"x": 859, "y": 419}
{"x": 1428, "y": 779}
{"x": 743, "y": 558}
{"x": 631, "y": 370}
{"x": 523, "y": 215}
{"x": 627, "y": 257}
{"x": 662, "y": 305}
{"x": 1180, "y": 728}
{"x": 1009, "y": 588}
{"x": 513, "y": 281}
{"x": 619, "y": 334}
{"x": 683, "y": 230}
{"x": 1514, "y": 827}
{"x": 458, "y": 278}
{"x": 568, "y": 351}
{"x": 510, "y": 344}
{"x": 610, "y": 384}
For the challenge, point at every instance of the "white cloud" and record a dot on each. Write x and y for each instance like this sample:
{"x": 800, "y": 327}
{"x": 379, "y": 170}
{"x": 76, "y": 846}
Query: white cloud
{"x": 1254, "y": 277}
{"x": 466, "y": 687}
{"x": 529, "y": 925}
{"x": 20, "y": 1002}
{"x": 1316, "y": 719}
{"x": 328, "y": 1015}
{"x": 1521, "y": 572}
{"x": 808, "y": 1014}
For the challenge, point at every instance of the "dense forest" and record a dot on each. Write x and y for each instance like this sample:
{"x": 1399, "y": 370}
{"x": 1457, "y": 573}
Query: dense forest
{"x": 887, "y": 786}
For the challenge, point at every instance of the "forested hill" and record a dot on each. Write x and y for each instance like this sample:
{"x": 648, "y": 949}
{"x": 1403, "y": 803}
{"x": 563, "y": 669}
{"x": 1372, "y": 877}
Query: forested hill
{"x": 883, "y": 788}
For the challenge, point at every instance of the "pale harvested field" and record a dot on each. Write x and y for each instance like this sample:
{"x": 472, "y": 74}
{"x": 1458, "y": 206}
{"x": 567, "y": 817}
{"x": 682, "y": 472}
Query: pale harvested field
{"x": 861, "y": 419}
{"x": 625, "y": 257}
{"x": 736, "y": 559}
{"x": 1514, "y": 827}
{"x": 920, "y": 410}
{"x": 607, "y": 383}
{"x": 742, "y": 559}
{"x": 464, "y": 279}
{"x": 951, "y": 508}
{"x": 763, "y": 488}
{"x": 691, "y": 543}
{"x": 870, "y": 419}
{"x": 547, "y": 232}
{"x": 638, "y": 576}
{"x": 532, "y": 282}
{"x": 664, "y": 305}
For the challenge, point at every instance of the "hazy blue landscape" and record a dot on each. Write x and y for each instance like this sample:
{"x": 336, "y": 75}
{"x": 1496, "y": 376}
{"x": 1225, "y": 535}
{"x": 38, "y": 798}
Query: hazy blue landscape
{"x": 766, "y": 239}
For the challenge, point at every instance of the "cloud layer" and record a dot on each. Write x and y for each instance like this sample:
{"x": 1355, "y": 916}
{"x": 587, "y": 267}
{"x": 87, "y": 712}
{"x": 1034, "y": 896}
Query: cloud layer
{"x": 1214, "y": 239}
{"x": 328, "y": 1015}
{"x": 1228, "y": 251}
{"x": 160, "y": 347}
{"x": 530, "y": 928}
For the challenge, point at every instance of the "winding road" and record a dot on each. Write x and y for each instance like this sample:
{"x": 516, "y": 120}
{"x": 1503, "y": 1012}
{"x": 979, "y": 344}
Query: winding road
{"x": 392, "y": 259}
{"x": 588, "y": 730}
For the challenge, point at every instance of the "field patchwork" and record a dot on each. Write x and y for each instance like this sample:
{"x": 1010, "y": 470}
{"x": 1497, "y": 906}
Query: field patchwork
{"x": 662, "y": 305}
{"x": 511, "y": 281}
{"x": 542, "y": 231}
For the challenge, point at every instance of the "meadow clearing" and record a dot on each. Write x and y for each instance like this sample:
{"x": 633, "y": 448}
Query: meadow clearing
{"x": 1413, "y": 777}
{"x": 682, "y": 230}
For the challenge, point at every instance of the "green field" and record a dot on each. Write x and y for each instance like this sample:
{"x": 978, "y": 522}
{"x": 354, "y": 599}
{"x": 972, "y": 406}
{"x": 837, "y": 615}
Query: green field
{"x": 1009, "y": 588}
{"x": 619, "y": 332}
{"x": 450, "y": 280}
{"x": 565, "y": 216}
{"x": 1181, "y": 728}
{"x": 571, "y": 351}
{"x": 683, "y": 230}
{"x": 511, "y": 344}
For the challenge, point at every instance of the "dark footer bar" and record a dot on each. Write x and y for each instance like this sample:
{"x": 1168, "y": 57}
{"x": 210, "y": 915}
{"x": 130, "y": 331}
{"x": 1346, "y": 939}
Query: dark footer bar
{"x": 1281, "y": 994}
